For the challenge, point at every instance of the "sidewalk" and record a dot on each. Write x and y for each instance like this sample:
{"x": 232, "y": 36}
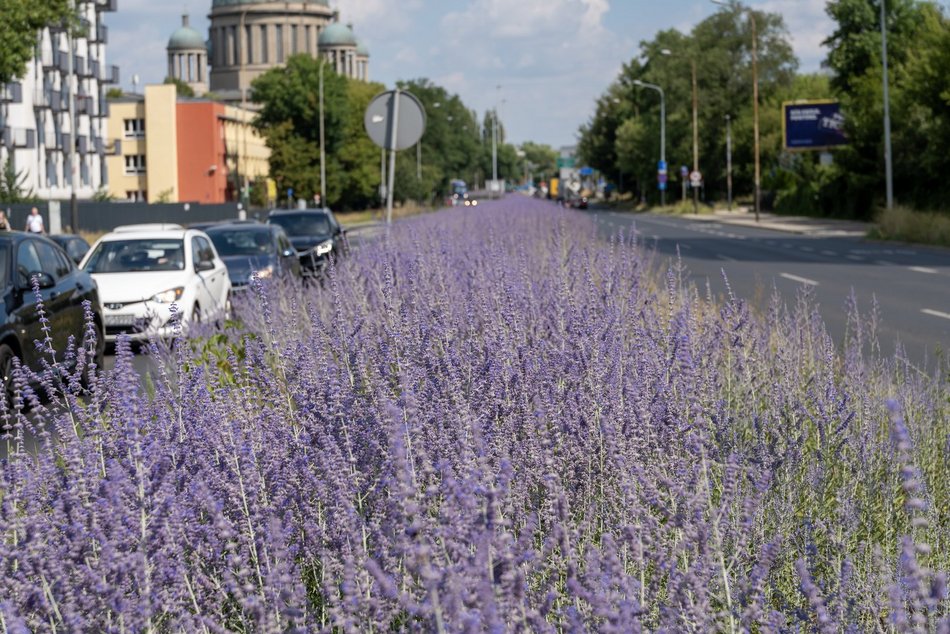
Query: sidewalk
{"x": 802, "y": 225}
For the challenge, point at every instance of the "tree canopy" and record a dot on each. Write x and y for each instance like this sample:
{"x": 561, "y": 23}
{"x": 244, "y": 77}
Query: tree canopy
{"x": 21, "y": 21}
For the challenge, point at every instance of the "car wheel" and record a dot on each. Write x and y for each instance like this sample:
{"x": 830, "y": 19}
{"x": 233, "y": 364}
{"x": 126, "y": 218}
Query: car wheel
{"x": 6, "y": 373}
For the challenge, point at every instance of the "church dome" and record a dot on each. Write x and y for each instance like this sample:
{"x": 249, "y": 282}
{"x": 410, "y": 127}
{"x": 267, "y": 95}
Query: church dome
{"x": 361, "y": 49}
{"x": 186, "y": 38}
{"x": 337, "y": 34}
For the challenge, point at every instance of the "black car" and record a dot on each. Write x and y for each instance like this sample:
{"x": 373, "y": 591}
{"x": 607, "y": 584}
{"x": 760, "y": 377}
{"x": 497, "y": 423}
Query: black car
{"x": 75, "y": 246}
{"x": 315, "y": 233}
{"x": 249, "y": 247}
{"x": 63, "y": 289}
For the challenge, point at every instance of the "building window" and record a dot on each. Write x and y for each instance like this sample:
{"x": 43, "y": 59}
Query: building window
{"x": 136, "y": 196}
{"x": 134, "y": 128}
{"x": 306, "y": 36}
{"x": 293, "y": 40}
{"x": 279, "y": 30}
{"x": 84, "y": 170}
{"x": 135, "y": 164}
{"x": 249, "y": 43}
{"x": 235, "y": 47}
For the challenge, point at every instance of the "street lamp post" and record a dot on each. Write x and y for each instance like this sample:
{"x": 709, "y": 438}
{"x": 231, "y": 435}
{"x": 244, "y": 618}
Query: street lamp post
{"x": 644, "y": 84}
{"x": 888, "y": 157}
{"x": 729, "y": 160}
{"x": 323, "y": 146}
{"x": 695, "y": 137}
{"x": 243, "y": 53}
{"x": 755, "y": 101}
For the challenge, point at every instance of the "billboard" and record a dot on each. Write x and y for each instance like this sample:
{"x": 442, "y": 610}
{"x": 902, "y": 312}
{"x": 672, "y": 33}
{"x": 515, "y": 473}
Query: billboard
{"x": 812, "y": 125}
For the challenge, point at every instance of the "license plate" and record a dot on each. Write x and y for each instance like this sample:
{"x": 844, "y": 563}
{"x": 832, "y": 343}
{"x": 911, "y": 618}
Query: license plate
{"x": 120, "y": 320}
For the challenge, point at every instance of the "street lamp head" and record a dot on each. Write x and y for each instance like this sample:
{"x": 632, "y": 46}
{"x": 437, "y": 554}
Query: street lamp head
{"x": 666, "y": 51}
{"x": 637, "y": 82}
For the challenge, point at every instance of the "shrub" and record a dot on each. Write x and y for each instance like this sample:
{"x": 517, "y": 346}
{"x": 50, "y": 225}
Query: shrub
{"x": 923, "y": 227}
{"x": 490, "y": 420}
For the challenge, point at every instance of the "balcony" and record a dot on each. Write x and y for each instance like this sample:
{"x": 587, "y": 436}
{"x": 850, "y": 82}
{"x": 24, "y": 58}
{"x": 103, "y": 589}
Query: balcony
{"x": 20, "y": 138}
{"x": 107, "y": 5}
{"x": 100, "y": 35}
{"x": 62, "y": 61}
{"x": 11, "y": 93}
{"x": 85, "y": 105}
{"x": 41, "y": 98}
{"x": 65, "y": 139}
{"x": 93, "y": 69}
{"x": 110, "y": 75}
{"x": 82, "y": 144}
{"x": 79, "y": 66}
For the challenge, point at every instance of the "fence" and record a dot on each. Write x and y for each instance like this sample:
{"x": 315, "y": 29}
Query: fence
{"x": 99, "y": 217}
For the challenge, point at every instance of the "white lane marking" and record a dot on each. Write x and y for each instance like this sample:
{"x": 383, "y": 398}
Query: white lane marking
{"x": 829, "y": 253}
{"x": 726, "y": 258}
{"x": 935, "y": 313}
{"x": 924, "y": 269}
{"x": 800, "y": 280}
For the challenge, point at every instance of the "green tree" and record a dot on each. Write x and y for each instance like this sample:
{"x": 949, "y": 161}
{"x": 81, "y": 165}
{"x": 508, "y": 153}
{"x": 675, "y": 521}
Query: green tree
{"x": 181, "y": 88}
{"x": 541, "y": 159}
{"x": 720, "y": 46}
{"x": 13, "y": 185}
{"x": 21, "y": 21}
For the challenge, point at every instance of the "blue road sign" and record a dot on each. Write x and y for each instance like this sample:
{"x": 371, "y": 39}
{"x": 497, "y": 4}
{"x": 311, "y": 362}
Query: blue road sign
{"x": 662, "y": 186}
{"x": 661, "y": 167}
{"x": 684, "y": 171}
{"x": 290, "y": 192}
{"x": 587, "y": 171}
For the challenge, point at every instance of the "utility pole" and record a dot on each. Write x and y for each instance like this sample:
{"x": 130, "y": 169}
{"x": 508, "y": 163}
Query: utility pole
{"x": 323, "y": 145}
{"x": 243, "y": 51}
{"x": 73, "y": 87}
{"x": 494, "y": 154}
{"x": 695, "y": 136}
{"x": 888, "y": 157}
{"x": 729, "y": 160}
{"x": 755, "y": 116}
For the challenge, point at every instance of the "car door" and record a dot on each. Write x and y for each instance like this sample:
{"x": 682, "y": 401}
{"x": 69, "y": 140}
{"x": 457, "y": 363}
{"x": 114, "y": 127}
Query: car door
{"x": 214, "y": 284}
{"x": 28, "y": 264}
{"x": 289, "y": 261}
{"x": 73, "y": 285}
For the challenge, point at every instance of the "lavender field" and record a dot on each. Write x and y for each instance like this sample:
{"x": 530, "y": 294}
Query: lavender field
{"x": 490, "y": 421}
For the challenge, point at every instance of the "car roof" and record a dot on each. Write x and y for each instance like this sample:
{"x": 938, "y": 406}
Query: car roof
{"x": 239, "y": 226}
{"x": 290, "y": 212}
{"x": 168, "y": 234}
{"x": 155, "y": 226}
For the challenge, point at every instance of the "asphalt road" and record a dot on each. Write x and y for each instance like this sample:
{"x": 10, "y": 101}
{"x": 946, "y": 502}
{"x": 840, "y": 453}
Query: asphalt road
{"x": 911, "y": 283}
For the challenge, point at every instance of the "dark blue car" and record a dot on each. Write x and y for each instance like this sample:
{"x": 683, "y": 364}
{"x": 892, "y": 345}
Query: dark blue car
{"x": 248, "y": 248}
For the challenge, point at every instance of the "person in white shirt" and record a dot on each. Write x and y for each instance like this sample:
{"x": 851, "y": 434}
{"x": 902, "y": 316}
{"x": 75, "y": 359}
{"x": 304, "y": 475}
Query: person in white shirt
{"x": 34, "y": 222}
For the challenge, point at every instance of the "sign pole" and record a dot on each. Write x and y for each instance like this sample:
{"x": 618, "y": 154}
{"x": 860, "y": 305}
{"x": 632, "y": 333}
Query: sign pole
{"x": 394, "y": 135}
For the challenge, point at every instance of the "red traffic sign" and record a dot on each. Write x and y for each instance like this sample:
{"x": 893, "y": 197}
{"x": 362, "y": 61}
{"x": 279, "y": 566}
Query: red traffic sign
{"x": 695, "y": 178}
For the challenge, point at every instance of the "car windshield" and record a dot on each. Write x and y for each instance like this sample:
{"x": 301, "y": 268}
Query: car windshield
{"x": 310, "y": 224}
{"x": 126, "y": 256}
{"x": 249, "y": 242}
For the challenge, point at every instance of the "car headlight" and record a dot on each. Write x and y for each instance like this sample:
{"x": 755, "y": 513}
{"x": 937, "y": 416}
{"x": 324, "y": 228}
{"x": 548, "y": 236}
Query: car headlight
{"x": 324, "y": 247}
{"x": 169, "y": 296}
{"x": 265, "y": 273}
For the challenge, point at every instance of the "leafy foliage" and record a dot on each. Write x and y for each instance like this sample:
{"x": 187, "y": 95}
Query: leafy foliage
{"x": 22, "y": 19}
{"x": 182, "y": 89}
{"x": 13, "y": 188}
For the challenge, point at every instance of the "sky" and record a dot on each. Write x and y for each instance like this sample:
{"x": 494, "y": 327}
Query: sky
{"x": 542, "y": 63}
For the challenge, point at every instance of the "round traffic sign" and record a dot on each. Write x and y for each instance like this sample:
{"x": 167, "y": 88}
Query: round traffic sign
{"x": 395, "y": 107}
{"x": 696, "y": 178}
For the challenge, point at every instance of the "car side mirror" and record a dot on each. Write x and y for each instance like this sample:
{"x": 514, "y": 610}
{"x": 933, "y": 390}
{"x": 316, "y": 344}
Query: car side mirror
{"x": 288, "y": 253}
{"x": 45, "y": 280}
{"x": 204, "y": 265}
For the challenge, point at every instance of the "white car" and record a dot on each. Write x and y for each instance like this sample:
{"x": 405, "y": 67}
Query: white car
{"x": 150, "y": 275}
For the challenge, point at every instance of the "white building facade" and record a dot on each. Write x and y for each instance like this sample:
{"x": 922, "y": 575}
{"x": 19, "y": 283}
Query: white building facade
{"x": 55, "y": 116}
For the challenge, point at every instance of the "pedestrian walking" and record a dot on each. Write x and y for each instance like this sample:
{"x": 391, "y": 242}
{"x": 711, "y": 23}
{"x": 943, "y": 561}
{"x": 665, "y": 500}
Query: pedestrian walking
{"x": 4, "y": 221}
{"x": 34, "y": 222}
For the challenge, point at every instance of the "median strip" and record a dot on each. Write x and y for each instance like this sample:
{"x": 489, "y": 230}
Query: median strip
{"x": 800, "y": 280}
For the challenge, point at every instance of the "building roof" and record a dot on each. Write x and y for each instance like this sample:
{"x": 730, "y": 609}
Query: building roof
{"x": 186, "y": 38}
{"x": 230, "y": 3}
{"x": 337, "y": 34}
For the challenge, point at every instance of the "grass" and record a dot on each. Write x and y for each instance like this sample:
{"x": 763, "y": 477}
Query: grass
{"x": 907, "y": 225}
